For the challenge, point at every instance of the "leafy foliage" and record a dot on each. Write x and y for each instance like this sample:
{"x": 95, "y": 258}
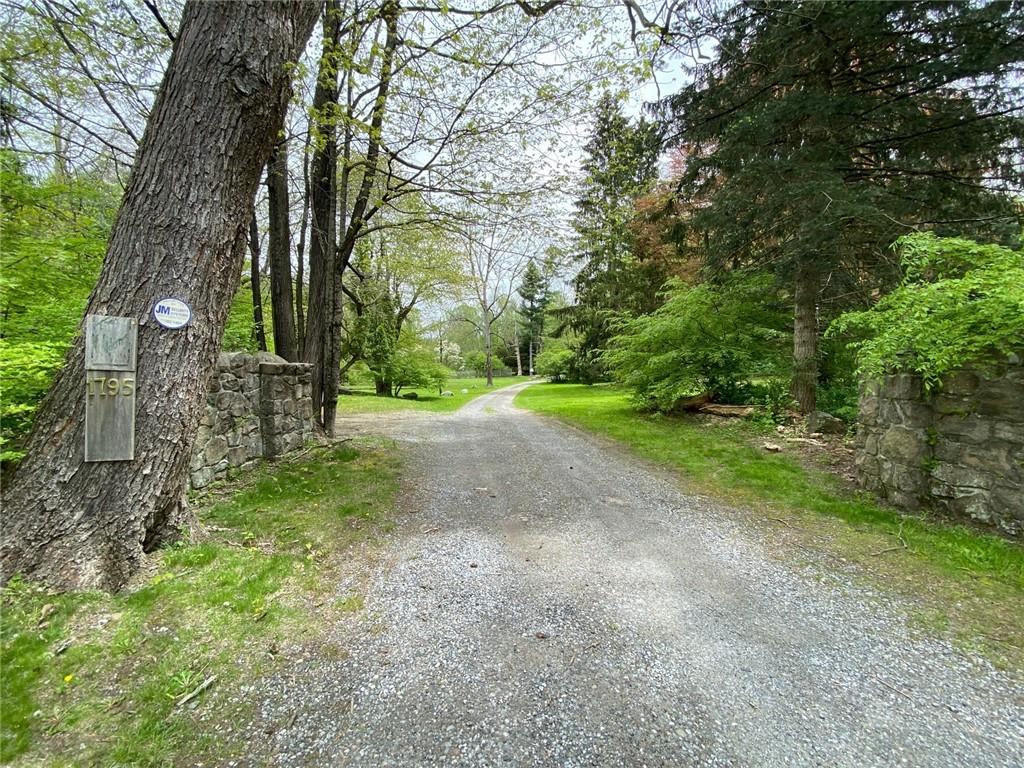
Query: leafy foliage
{"x": 821, "y": 132}
{"x": 961, "y": 302}
{"x": 476, "y": 362}
{"x": 555, "y": 364}
{"x": 54, "y": 236}
{"x": 414, "y": 364}
{"x": 704, "y": 338}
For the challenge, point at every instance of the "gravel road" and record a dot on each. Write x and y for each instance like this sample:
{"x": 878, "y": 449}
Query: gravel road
{"x": 548, "y": 601}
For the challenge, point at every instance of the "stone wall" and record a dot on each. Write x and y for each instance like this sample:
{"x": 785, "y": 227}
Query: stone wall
{"x": 258, "y": 406}
{"x": 959, "y": 451}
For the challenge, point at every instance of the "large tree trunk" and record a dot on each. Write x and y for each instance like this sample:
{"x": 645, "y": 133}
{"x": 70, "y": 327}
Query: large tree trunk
{"x": 258, "y": 328}
{"x": 282, "y": 301}
{"x": 805, "y": 334}
{"x": 488, "y": 351}
{"x": 323, "y": 205}
{"x": 181, "y": 232}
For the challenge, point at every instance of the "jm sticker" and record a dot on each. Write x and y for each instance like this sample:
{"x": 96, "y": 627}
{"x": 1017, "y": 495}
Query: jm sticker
{"x": 172, "y": 313}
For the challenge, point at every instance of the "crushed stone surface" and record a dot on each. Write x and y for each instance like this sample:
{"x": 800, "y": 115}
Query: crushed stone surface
{"x": 548, "y": 601}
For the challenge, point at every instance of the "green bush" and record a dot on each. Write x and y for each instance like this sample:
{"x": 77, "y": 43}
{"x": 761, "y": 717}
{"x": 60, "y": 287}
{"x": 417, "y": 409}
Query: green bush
{"x": 711, "y": 337}
{"x": 53, "y": 232}
{"x": 476, "y": 362}
{"x": 26, "y": 370}
{"x": 415, "y": 365}
{"x": 774, "y": 398}
{"x": 960, "y": 302}
{"x": 555, "y": 364}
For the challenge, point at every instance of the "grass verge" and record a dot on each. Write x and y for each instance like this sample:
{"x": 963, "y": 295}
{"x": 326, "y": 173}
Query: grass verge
{"x": 973, "y": 581}
{"x": 365, "y": 401}
{"x": 97, "y": 679}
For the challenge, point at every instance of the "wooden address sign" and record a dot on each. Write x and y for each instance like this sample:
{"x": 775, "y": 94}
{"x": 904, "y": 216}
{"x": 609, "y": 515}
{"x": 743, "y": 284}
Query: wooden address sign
{"x": 110, "y": 388}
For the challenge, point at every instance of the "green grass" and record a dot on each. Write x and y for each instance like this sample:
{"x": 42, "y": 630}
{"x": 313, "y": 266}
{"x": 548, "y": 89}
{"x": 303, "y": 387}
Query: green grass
{"x": 365, "y": 401}
{"x": 106, "y": 671}
{"x": 981, "y": 575}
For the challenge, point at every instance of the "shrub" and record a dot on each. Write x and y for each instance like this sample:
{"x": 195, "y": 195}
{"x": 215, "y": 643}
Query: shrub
{"x": 960, "y": 302}
{"x": 476, "y": 362}
{"x": 710, "y": 338}
{"x": 26, "y": 371}
{"x": 554, "y": 363}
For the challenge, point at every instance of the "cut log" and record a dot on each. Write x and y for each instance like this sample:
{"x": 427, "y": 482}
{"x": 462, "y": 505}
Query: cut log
{"x": 726, "y": 410}
{"x": 693, "y": 403}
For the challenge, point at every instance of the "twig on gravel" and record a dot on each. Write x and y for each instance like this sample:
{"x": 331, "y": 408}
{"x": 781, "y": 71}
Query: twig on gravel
{"x": 572, "y": 660}
{"x": 904, "y": 694}
{"x": 779, "y": 520}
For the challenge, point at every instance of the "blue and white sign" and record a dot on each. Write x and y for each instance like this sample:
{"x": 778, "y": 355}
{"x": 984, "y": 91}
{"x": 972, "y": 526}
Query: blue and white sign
{"x": 172, "y": 313}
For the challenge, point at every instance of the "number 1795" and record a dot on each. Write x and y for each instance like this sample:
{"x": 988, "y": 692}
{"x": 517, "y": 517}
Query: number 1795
{"x": 103, "y": 387}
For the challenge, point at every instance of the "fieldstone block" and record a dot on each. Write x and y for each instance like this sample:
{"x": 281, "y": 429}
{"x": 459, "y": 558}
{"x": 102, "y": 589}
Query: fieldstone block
{"x": 953, "y": 404}
{"x": 961, "y": 383}
{"x": 947, "y": 450}
{"x": 271, "y": 369}
{"x": 902, "y": 386}
{"x": 227, "y": 359}
{"x": 906, "y": 446}
{"x": 202, "y": 478}
{"x": 237, "y": 456}
{"x": 1012, "y": 433}
{"x": 970, "y": 429}
{"x": 915, "y": 414}
{"x": 1005, "y": 402}
{"x": 909, "y": 479}
{"x": 216, "y": 449}
{"x": 994, "y": 457}
{"x": 961, "y": 477}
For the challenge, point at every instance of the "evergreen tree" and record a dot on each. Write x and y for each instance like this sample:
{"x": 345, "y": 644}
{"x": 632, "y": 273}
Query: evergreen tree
{"x": 621, "y": 165}
{"x": 823, "y": 131}
{"x": 534, "y": 290}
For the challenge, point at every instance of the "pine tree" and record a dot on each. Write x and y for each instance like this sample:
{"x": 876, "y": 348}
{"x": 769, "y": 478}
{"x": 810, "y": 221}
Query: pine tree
{"x": 534, "y": 290}
{"x": 823, "y": 131}
{"x": 621, "y": 165}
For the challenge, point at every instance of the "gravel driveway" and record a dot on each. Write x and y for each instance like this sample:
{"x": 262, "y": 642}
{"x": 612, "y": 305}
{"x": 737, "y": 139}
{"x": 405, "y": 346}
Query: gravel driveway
{"x": 547, "y": 601}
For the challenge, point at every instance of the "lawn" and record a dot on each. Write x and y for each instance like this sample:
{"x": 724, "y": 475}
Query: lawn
{"x": 983, "y": 570}
{"x": 97, "y": 679}
{"x": 365, "y": 401}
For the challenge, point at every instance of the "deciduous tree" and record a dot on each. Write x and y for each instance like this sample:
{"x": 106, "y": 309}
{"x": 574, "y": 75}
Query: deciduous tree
{"x": 181, "y": 231}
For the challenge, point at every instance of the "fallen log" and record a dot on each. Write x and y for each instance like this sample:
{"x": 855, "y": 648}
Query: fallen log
{"x": 693, "y": 403}
{"x": 726, "y": 410}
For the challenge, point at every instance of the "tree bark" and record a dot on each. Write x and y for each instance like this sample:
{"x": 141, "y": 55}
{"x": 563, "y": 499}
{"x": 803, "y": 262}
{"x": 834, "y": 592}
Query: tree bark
{"x": 519, "y": 355}
{"x": 180, "y": 232}
{"x": 323, "y": 206}
{"x": 805, "y": 334}
{"x": 300, "y": 254}
{"x": 282, "y": 300}
{"x": 488, "y": 351}
{"x": 258, "y": 329}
